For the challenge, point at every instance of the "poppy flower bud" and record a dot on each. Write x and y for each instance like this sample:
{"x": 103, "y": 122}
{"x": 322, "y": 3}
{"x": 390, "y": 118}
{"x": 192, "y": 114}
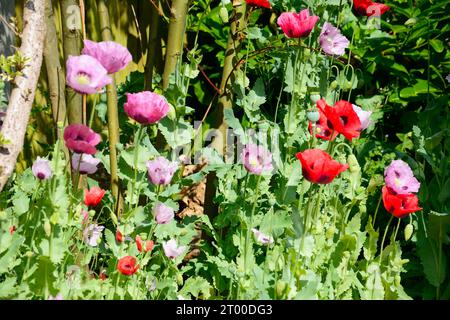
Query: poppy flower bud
{"x": 281, "y": 288}
{"x": 333, "y": 85}
{"x": 223, "y": 14}
{"x": 411, "y": 21}
{"x": 47, "y": 228}
{"x": 119, "y": 236}
{"x": 313, "y": 116}
{"x": 12, "y": 229}
{"x": 330, "y": 232}
{"x": 353, "y": 164}
{"x": 172, "y": 114}
{"x": 29, "y": 254}
{"x": 180, "y": 280}
{"x": 409, "y": 229}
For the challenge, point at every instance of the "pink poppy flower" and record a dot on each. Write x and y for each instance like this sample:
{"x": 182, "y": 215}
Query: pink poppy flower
{"x": 163, "y": 214}
{"x": 261, "y": 237}
{"x": 297, "y": 25}
{"x": 161, "y": 170}
{"x": 112, "y": 55}
{"x": 400, "y": 178}
{"x": 146, "y": 107}
{"x": 85, "y": 162}
{"x": 364, "y": 116}
{"x": 171, "y": 249}
{"x": 81, "y": 139}
{"x": 257, "y": 159}
{"x": 332, "y": 41}
{"x": 41, "y": 169}
{"x": 86, "y": 75}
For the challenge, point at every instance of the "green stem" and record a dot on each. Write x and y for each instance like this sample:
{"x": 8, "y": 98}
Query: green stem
{"x": 396, "y": 229}
{"x": 248, "y": 241}
{"x": 376, "y": 211}
{"x": 91, "y": 116}
{"x": 384, "y": 237}
{"x": 137, "y": 139}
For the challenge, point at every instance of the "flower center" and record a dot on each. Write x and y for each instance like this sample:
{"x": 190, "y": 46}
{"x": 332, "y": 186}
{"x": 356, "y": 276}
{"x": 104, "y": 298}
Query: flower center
{"x": 83, "y": 79}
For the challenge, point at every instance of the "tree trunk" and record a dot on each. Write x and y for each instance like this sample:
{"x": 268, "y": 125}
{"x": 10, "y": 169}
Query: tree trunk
{"x": 71, "y": 25}
{"x": 55, "y": 74}
{"x": 113, "y": 113}
{"x": 22, "y": 95}
{"x": 152, "y": 47}
{"x": 7, "y": 37}
{"x": 175, "y": 38}
{"x": 226, "y": 99}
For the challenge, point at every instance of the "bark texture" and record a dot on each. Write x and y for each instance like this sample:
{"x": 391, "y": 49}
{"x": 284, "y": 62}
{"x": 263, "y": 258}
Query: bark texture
{"x": 22, "y": 95}
{"x": 55, "y": 74}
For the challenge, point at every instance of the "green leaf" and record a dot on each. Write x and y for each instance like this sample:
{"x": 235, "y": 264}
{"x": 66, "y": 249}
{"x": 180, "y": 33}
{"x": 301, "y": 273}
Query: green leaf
{"x": 7, "y": 260}
{"x": 437, "y": 45}
{"x": 196, "y": 286}
{"x": 7, "y": 287}
{"x": 111, "y": 242}
{"x": 21, "y": 202}
{"x": 374, "y": 289}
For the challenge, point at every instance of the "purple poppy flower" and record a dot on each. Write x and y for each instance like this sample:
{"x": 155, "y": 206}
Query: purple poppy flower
{"x": 113, "y": 56}
{"x": 332, "y": 41}
{"x": 92, "y": 234}
{"x": 261, "y": 237}
{"x": 41, "y": 169}
{"x": 364, "y": 116}
{"x": 257, "y": 159}
{"x": 163, "y": 214}
{"x": 57, "y": 297}
{"x": 400, "y": 178}
{"x": 171, "y": 249}
{"x": 161, "y": 170}
{"x": 81, "y": 139}
{"x": 85, "y": 162}
{"x": 146, "y": 107}
{"x": 297, "y": 25}
{"x": 86, "y": 75}
{"x": 448, "y": 77}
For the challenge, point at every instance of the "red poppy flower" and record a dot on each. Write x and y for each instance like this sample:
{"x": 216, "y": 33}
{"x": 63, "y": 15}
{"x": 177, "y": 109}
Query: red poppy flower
{"x": 258, "y": 3}
{"x": 139, "y": 243}
{"x": 341, "y": 118}
{"x": 12, "y": 229}
{"x": 94, "y": 196}
{"x": 319, "y": 167}
{"x": 399, "y": 205}
{"x": 119, "y": 236}
{"x": 369, "y": 8}
{"x": 103, "y": 275}
{"x": 149, "y": 244}
{"x": 127, "y": 265}
{"x": 321, "y": 128}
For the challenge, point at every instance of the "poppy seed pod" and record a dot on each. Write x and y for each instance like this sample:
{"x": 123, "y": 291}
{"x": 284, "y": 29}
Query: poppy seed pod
{"x": 313, "y": 116}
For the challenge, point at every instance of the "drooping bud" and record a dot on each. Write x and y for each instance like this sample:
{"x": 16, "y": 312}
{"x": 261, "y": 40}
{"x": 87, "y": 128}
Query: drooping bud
{"x": 409, "y": 229}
